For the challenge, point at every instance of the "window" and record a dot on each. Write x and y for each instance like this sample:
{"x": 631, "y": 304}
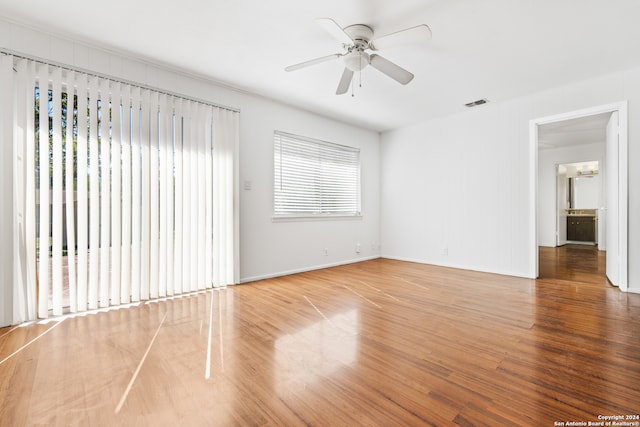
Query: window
{"x": 126, "y": 192}
{"x": 315, "y": 178}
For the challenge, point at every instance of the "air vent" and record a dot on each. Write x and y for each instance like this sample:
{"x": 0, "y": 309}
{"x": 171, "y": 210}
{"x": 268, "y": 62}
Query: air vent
{"x": 476, "y": 103}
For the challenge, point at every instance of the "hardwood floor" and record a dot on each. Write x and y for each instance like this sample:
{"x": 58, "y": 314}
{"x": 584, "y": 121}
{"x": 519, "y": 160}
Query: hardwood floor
{"x": 376, "y": 343}
{"x": 581, "y": 263}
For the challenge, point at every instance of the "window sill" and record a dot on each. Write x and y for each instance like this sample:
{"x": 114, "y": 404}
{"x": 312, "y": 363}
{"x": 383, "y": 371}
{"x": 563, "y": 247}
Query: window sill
{"x": 298, "y": 218}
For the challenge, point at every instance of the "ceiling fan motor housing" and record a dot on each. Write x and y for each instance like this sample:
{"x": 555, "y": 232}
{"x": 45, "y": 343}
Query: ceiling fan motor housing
{"x": 361, "y": 34}
{"x": 357, "y": 58}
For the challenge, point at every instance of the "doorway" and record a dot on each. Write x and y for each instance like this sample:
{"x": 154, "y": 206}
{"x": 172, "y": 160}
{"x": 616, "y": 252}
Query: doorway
{"x": 580, "y": 199}
{"x": 613, "y": 120}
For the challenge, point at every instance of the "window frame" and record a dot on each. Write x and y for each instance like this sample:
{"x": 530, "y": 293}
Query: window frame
{"x": 321, "y": 214}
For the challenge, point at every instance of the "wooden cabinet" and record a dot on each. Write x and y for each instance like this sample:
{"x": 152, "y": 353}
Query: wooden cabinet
{"x": 581, "y": 228}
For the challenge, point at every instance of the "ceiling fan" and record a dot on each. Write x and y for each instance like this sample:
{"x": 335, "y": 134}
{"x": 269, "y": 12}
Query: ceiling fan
{"x": 357, "y": 40}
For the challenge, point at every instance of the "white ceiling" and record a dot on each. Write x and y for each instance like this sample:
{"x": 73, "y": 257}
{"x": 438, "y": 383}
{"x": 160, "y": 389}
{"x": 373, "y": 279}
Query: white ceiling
{"x": 581, "y": 131}
{"x": 495, "y": 49}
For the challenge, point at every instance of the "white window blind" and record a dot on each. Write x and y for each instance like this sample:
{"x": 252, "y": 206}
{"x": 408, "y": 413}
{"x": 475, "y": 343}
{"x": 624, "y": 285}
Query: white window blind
{"x": 129, "y": 192}
{"x": 315, "y": 178}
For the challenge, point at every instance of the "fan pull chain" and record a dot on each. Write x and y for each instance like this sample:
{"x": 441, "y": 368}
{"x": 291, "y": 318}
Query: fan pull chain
{"x": 360, "y": 72}
{"x": 359, "y": 77}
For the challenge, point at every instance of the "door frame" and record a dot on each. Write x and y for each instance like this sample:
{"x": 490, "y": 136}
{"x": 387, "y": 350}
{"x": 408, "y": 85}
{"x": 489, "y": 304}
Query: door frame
{"x": 559, "y": 217}
{"x": 623, "y": 183}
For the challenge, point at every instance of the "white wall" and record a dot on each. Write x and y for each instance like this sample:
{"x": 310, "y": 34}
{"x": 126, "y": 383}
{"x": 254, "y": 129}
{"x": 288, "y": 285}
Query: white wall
{"x": 270, "y": 248}
{"x": 454, "y": 190}
{"x": 547, "y": 161}
{"x": 461, "y": 182}
{"x": 266, "y": 248}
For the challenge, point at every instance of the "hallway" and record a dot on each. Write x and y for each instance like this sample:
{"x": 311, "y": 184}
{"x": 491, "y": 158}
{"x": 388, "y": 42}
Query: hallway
{"x": 576, "y": 263}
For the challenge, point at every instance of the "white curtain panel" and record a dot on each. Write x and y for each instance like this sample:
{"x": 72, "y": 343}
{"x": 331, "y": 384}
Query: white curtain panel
{"x": 122, "y": 193}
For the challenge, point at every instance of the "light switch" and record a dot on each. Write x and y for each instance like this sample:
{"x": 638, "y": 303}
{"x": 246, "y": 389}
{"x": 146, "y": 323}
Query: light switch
{"x": 247, "y": 185}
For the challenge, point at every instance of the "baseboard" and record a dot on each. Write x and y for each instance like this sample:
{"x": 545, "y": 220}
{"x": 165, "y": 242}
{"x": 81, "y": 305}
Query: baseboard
{"x": 305, "y": 269}
{"x": 576, "y": 242}
{"x": 458, "y": 266}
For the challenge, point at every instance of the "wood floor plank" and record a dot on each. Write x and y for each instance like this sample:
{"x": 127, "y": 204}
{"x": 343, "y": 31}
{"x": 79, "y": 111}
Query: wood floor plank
{"x": 381, "y": 342}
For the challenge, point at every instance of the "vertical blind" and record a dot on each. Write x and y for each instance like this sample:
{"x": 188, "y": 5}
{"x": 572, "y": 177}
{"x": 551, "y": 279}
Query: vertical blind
{"x": 313, "y": 177}
{"x": 125, "y": 193}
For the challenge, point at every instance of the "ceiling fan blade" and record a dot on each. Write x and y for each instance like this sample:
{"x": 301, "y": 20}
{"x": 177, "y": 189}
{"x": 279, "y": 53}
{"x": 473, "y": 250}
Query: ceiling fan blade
{"x": 345, "y": 81}
{"x": 419, "y": 34}
{"x": 392, "y": 70}
{"x": 312, "y": 62}
{"x": 332, "y": 27}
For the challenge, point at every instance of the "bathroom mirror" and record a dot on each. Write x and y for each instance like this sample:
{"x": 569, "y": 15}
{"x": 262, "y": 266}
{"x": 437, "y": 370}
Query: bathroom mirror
{"x": 583, "y": 191}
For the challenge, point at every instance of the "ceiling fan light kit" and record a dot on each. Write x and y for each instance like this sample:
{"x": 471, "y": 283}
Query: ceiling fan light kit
{"x": 356, "y": 40}
{"x": 356, "y": 60}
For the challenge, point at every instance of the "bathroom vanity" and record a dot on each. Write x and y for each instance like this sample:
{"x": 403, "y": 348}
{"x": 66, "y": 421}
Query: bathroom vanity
{"x": 582, "y": 225}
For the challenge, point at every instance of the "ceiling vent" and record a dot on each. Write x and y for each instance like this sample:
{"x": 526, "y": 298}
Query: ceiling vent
{"x": 476, "y": 103}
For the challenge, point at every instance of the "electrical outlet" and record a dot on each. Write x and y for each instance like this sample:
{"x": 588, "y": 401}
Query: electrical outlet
{"x": 358, "y": 248}
{"x": 326, "y": 251}
{"x": 445, "y": 251}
